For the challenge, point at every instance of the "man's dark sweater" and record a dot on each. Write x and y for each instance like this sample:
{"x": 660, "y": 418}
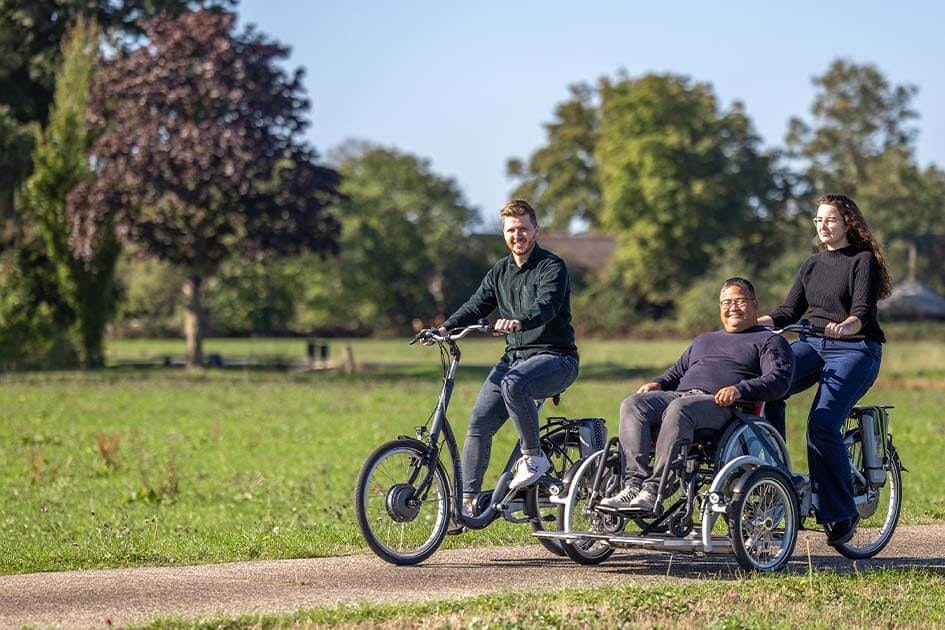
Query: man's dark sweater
{"x": 832, "y": 285}
{"x": 757, "y": 362}
{"x": 538, "y": 294}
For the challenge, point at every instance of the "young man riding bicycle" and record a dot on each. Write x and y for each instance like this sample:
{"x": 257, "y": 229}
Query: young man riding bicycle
{"x": 531, "y": 290}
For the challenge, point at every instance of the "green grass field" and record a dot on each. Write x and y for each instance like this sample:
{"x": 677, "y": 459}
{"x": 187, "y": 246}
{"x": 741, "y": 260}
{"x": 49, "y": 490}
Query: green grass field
{"x": 874, "y": 599}
{"x": 159, "y": 466}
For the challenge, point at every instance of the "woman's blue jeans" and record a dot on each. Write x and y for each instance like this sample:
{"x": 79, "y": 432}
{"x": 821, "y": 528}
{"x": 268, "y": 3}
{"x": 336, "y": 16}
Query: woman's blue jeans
{"x": 843, "y": 372}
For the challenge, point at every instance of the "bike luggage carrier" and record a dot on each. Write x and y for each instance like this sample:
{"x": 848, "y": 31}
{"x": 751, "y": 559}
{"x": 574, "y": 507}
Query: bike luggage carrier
{"x": 692, "y": 543}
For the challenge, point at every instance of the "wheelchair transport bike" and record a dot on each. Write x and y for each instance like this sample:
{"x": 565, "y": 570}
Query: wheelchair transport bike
{"x": 737, "y": 493}
{"x": 405, "y": 498}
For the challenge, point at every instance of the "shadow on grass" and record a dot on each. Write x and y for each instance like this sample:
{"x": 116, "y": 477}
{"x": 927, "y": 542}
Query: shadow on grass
{"x": 281, "y": 372}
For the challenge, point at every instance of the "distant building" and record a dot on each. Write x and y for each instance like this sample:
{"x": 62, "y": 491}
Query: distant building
{"x": 913, "y": 300}
{"x": 584, "y": 253}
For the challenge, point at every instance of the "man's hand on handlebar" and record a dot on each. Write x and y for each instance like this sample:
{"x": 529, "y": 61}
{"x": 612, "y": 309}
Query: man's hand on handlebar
{"x": 726, "y": 396}
{"x": 426, "y": 335}
{"x": 507, "y": 326}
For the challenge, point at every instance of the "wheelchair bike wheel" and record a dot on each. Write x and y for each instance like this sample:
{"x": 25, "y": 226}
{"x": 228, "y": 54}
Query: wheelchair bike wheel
{"x": 398, "y": 524}
{"x": 563, "y": 450}
{"x": 763, "y": 519}
{"x": 878, "y": 505}
{"x": 575, "y": 515}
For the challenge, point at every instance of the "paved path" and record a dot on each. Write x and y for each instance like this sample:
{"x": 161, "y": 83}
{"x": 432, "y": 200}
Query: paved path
{"x": 121, "y": 596}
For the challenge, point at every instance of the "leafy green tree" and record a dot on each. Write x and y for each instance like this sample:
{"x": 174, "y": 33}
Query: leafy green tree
{"x": 560, "y": 178}
{"x": 680, "y": 179}
{"x": 60, "y": 164}
{"x": 402, "y": 243}
{"x": 200, "y": 158}
{"x": 31, "y": 33}
{"x": 856, "y": 117}
{"x": 860, "y": 140}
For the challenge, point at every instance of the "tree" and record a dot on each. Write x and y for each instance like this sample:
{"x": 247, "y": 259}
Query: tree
{"x": 199, "y": 157}
{"x": 31, "y": 34}
{"x": 861, "y": 141}
{"x": 560, "y": 177}
{"x": 680, "y": 180}
{"x": 60, "y": 164}
{"x": 402, "y": 243}
{"x": 857, "y": 116}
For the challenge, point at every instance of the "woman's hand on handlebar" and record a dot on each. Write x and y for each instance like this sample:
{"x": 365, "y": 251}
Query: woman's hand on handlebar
{"x": 847, "y": 328}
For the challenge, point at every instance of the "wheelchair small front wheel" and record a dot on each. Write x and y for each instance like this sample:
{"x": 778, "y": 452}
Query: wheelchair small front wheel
{"x": 763, "y": 519}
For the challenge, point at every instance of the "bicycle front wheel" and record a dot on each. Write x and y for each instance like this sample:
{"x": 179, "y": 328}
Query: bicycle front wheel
{"x": 878, "y": 505}
{"x": 403, "y": 520}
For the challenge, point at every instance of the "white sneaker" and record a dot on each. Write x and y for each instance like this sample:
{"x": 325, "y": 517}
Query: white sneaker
{"x": 621, "y": 500}
{"x": 528, "y": 470}
{"x": 645, "y": 501}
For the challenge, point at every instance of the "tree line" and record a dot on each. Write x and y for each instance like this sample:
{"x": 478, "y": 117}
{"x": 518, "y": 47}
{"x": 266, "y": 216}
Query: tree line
{"x": 153, "y": 173}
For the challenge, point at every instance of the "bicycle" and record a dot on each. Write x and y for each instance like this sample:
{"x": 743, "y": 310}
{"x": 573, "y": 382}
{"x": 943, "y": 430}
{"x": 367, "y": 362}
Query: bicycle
{"x": 404, "y": 498}
{"x": 876, "y": 466}
{"x": 742, "y": 475}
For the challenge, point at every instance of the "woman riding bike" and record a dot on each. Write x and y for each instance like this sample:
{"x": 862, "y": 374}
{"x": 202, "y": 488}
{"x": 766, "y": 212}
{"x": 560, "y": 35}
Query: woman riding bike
{"x": 836, "y": 288}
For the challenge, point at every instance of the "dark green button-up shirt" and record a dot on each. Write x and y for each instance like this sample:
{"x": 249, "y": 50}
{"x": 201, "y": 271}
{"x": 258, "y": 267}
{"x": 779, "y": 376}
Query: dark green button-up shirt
{"x": 538, "y": 294}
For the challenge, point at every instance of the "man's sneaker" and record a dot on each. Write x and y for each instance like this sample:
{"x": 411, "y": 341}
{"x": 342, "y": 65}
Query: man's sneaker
{"x": 621, "y": 500}
{"x": 528, "y": 470}
{"x": 645, "y": 501}
{"x": 468, "y": 509}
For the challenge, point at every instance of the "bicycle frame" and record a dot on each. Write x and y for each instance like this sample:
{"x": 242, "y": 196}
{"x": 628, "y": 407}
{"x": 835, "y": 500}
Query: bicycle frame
{"x": 440, "y": 428}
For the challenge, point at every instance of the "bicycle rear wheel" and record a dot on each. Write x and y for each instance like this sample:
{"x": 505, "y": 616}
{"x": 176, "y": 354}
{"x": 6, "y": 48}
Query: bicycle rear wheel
{"x": 878, "y": 506}
{"x": 576, "y": 515}
{"x": 402, "y": 522}
{"x": 563, "y": 450}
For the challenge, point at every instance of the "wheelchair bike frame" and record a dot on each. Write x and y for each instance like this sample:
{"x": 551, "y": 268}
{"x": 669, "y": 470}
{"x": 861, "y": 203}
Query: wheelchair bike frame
{"x": 404, "y": 499}
{"x": 746, "y": 479}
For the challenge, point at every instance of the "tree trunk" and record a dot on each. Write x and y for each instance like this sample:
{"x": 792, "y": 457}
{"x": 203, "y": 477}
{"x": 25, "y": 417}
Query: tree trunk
{"x": 193, "y": 319}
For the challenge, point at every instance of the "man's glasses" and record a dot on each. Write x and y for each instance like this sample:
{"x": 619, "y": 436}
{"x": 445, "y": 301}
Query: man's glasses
{"x": 739, "y": 302}
{"x": 828, "y": 221}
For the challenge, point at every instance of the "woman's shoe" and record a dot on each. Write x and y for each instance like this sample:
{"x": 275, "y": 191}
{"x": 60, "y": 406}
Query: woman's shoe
{"x": 841, "y": 531}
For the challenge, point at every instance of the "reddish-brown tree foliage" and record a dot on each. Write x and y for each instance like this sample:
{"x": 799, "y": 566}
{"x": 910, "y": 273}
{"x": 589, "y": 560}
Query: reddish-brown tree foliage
{"x": 199, "y": 156}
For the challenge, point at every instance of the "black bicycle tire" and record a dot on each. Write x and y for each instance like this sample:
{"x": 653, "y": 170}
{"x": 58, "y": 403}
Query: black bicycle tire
{"x": 381, "y": 550}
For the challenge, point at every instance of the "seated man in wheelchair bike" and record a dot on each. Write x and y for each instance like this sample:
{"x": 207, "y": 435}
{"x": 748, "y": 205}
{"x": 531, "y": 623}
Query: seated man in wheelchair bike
{"x": 743, "y": 361}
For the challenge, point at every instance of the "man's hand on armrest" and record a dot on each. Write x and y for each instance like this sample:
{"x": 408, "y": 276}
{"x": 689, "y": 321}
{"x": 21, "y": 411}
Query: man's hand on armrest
{"x": 726, "y": 396}
{"x": 649, "y": 387}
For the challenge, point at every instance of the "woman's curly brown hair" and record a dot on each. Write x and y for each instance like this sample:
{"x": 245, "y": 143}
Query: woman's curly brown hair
{"x": 858, "y": 233}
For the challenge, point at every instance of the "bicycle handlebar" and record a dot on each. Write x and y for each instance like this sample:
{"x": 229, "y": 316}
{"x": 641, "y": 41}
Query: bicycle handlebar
{"x": 432, "y": 334}
{"x": 805, "y": 327}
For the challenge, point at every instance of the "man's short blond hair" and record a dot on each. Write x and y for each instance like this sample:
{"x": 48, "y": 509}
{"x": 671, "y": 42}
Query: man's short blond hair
{"x": 519, "y": 208}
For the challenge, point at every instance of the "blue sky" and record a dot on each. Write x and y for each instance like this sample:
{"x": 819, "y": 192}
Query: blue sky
{"x": 468, "y": 86}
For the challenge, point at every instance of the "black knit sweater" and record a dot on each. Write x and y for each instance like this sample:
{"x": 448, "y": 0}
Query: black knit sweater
{"x": 832, "y": 285}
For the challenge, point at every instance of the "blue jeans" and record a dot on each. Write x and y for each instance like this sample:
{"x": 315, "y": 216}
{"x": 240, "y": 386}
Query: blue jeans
{"x": 510, "y": 390}
{"x": 843, "y": 372}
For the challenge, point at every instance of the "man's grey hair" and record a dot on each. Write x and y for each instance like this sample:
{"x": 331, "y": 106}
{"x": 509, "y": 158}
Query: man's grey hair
{"x": 747, "y": 287}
